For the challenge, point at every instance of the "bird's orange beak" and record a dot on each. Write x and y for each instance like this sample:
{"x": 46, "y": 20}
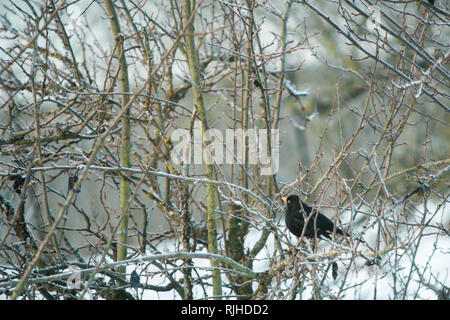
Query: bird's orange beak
{"x": 284, "y": 199}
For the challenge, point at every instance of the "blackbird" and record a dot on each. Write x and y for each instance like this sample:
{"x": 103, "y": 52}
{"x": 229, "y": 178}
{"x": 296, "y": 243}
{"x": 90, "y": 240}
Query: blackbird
{"x": 298, "y": 212}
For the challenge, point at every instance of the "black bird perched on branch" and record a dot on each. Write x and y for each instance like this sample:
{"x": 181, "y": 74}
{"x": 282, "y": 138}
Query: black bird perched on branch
{"x": 298, "y": 213}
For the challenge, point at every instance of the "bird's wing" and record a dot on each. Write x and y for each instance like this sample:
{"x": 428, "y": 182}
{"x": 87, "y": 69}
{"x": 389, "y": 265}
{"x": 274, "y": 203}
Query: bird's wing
{"x": 307, "y": 209}
{"x": 326, "y": 224}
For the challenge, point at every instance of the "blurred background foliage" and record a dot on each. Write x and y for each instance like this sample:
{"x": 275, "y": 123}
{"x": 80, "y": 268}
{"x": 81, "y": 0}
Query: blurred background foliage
{"x": 361, "y": 107}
